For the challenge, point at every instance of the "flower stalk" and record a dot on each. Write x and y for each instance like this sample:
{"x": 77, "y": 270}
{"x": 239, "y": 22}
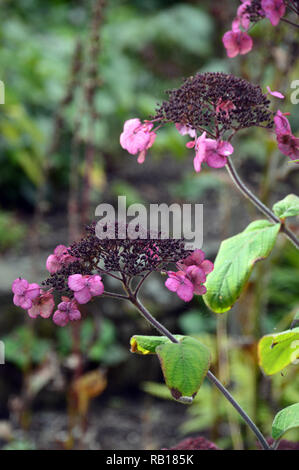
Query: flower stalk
{"x": 258, "y": 203}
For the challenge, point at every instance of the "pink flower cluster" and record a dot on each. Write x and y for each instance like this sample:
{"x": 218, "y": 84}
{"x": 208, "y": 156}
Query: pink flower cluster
{"x": 288, "y": 144}
{"x": 138, "y": 137}
{"x": 38, "y": 302}
{"x": 191, "y": 276}
{"x": 237, "y": 40}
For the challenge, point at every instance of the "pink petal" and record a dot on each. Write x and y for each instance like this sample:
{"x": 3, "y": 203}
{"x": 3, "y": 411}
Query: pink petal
{"x": 200, "y": 290}
{"x": 245, "y": 43}
{"x": 200, "y": 155}
{"x": 60, "y": 318}
{"x": 277, "y": 94}
{"x": 47, "y": 305}
{"x": 33, "y": 312}
{"x": 76, "y": 282}
{"x": 141, "y": 157}
{"x": 60, "y": 250}
{"x": 185, "y": 130}
{"x": 172, "y": 284}
{"x": 185, "y": 291}
{"x": 19, "y": 286}
{"x": 230, "y": 43}
{"x": 191, "y": 144}
{"x": 207, "y": 266}
{"x": 33, "y": 291}
{"x": 225, "y": 148}
{"x": 25, "y": 303}
{"x": 282, "y": 125}
{"x": 95, "y": 285}
{"x": 196, "y": 274}
{"x": 274, "y": 10}
{"x": 74, "y": 315}
{"x": 83, "y": 296}
{"x": 215, "y": 160}
{"x": 17, "y": 299}
{"x": 53, "y": 264}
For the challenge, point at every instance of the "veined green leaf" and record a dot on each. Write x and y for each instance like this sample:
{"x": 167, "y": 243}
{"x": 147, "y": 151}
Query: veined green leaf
{"x": 287, "y": 207}
{"x": 234, "y": 263}
{"x": 286, "y": 419}
{"x": 184, "y": 365}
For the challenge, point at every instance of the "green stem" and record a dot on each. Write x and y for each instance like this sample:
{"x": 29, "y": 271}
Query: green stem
{"x": 256, "y": 201}
{"x": 164, "y": 331}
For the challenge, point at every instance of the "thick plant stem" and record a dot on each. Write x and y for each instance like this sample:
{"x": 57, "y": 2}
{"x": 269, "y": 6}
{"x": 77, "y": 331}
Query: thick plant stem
{"x": 255, "y": 200}
{"x": 164, "y": 331}
{"x": 240, "y": 410}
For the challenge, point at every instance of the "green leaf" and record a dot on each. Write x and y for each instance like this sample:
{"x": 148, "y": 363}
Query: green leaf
{"x": 287, "y": 207}
{"x": 277, "y": 351}
{"x": 234, "y": 263}
{"x": 184, "y": 365}
{"x": 286, "y": 419}
{"x": 147, "y": 344}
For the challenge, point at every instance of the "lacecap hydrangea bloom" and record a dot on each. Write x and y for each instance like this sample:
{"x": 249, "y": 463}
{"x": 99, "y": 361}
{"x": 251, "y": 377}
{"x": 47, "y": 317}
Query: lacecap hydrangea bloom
{"x": 76, "y": 272}
{"x": 209, "y": 108}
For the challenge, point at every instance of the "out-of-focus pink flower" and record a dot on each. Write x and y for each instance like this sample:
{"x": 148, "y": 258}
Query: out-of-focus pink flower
{"x": 179, "y": 283}
{"x": 277, "y": 94}
{"x": 137, "y": 137}
{"x": 85, "y": 287}
{"x": 59, "y": 258}
{"x": 288, "y": 144}
{"x": 66, "y": 311}
{"x": 197, "y": 258}
{"x": 225, "y": 106}
{"x": 24, "y": 293}
{"x": 211, "y": 151}
{"x": 282, "y": 125}
{"x": 242, "y": 19}
{"x": 186, "y": 130}
{"x": 43, "y": 305}
{"x": 237, "y": 42}
{"x": 274, "y": 10}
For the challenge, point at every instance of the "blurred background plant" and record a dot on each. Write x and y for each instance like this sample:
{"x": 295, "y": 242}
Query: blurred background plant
{"x": 74, "y": 71}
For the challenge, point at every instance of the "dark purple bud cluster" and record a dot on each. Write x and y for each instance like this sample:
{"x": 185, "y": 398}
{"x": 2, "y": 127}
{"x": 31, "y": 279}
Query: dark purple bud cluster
{"x": 255, "y": 11}
{"x": 131, "y": 257}
{"x": 216, "y": 102}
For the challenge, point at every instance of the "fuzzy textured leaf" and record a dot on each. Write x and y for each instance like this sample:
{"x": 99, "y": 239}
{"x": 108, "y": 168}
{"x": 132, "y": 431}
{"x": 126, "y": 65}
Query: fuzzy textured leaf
{"x": 286, "y": 419}
{"x": 234, "y": 263}
{"x": 184, "y": 365}
{"x": 287, "y": 207}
